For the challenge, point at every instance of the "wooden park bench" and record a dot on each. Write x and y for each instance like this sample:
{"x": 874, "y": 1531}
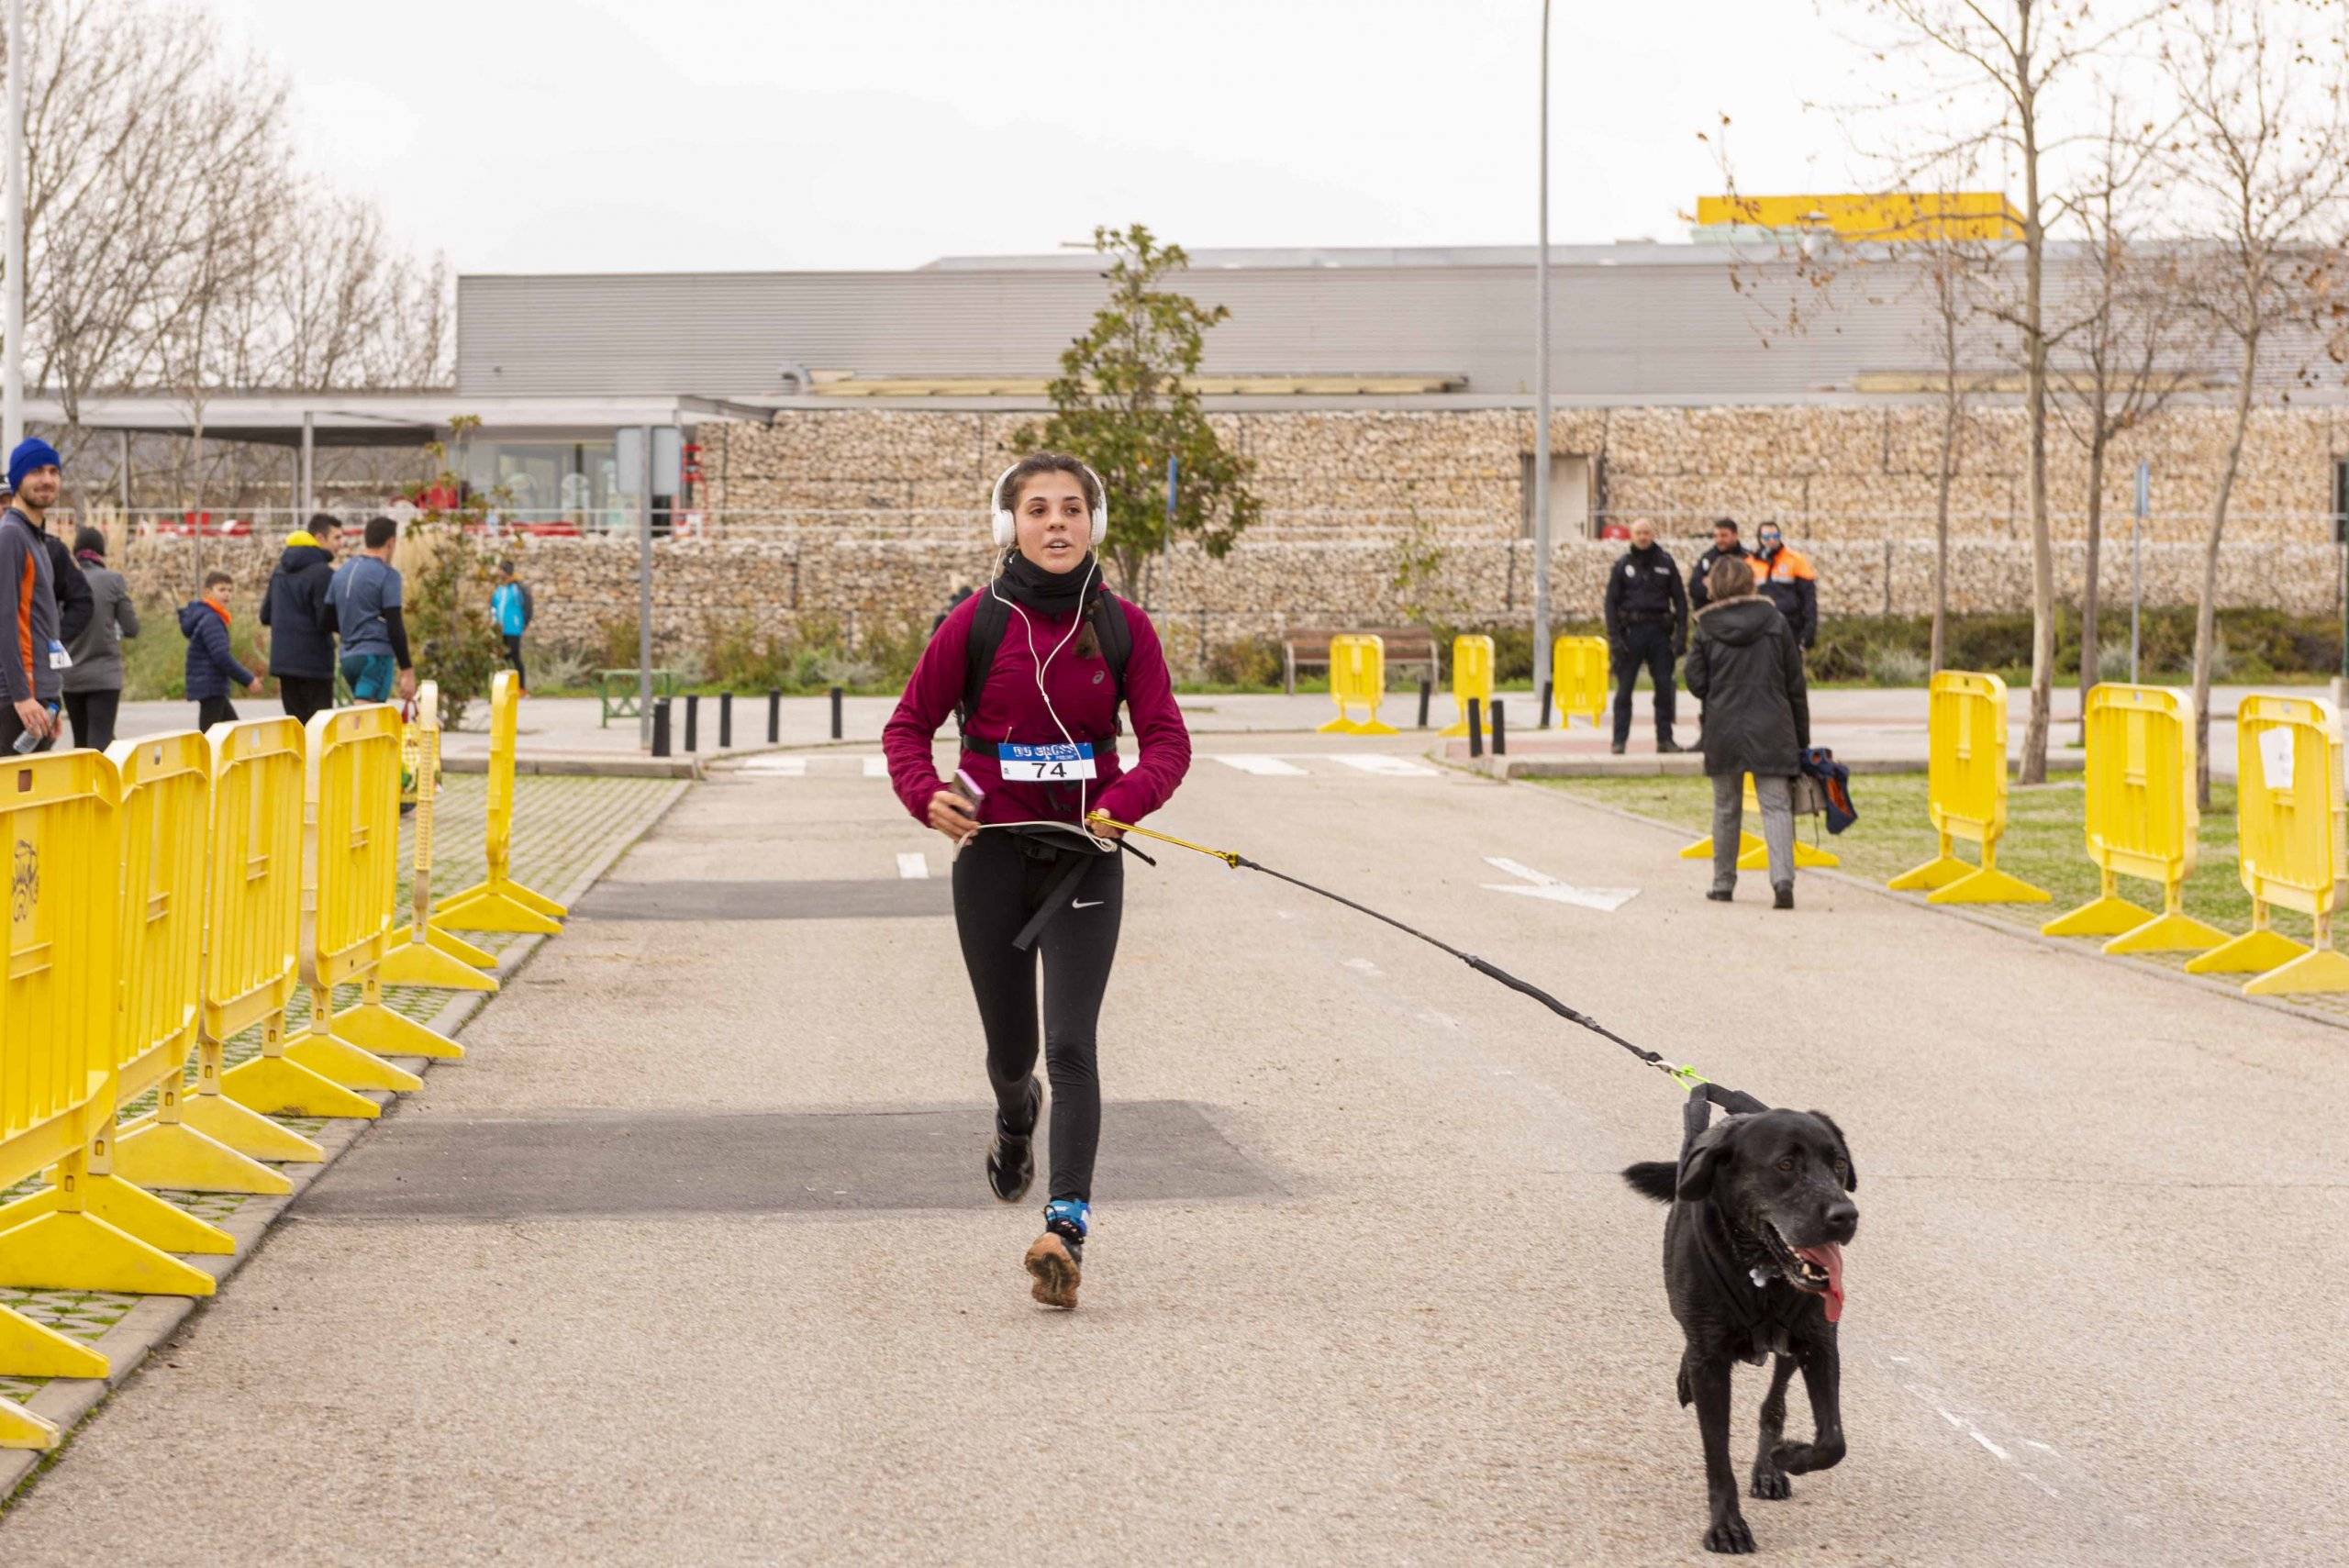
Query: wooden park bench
{"x": 1407, "y": 648}
{"x": 619, "y": 690}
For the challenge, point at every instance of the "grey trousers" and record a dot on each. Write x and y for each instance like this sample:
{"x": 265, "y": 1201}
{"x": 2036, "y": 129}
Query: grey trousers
{"x": 1778, "y": 797}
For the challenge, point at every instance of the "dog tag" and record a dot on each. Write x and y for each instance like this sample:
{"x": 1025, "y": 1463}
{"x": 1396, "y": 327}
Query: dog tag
{"x": 1046, "y": 764}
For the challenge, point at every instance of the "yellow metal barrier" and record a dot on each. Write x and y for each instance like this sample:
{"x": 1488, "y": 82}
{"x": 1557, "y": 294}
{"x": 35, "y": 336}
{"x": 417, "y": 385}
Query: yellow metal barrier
{"x": 2142, "y": 821}
{"x": 422, "y": 955}
{"x": 166, "y": 796}
{"x": 1580, "y": 676}
{"x": 1753, "y": 854}
{"x": 58, "y": 819}
{"x": 1966, "y": 794}
{"x": 1471, "y": 679}
{"x": 499, "y": 903}
{"x": 1357, "y": 676}
{"x": 353, "y": 853}
{"x": 2290, "y": 843}
{"x": 252, "y": 949}
{"x": 60, "y": 1023}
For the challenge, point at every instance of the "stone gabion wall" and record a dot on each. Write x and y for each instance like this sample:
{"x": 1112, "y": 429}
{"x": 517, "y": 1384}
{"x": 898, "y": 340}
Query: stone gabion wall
{"x": 862, "y": 522}
{"x": 1825, "y": 474}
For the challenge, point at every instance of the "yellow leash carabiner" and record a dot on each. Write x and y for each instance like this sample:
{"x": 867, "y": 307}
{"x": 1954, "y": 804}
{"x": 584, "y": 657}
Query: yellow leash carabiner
{"x": 1229, "y": 857}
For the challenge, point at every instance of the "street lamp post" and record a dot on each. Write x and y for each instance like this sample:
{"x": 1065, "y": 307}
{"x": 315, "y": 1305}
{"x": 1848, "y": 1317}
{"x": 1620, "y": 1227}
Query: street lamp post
{"x": 1542, "y": 392}
{"x": 12, "y": 316}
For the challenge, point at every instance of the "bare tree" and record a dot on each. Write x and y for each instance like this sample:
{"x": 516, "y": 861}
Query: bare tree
{"x": 2129, "y": 332}
{"x": 2265, "y": 143}
{"x": 2014, "y": 54}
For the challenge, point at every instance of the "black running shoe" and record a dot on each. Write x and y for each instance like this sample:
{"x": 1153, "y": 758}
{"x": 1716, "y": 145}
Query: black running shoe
{"x": 1011, "y": 1161}
{"x": 1786, "y": 896}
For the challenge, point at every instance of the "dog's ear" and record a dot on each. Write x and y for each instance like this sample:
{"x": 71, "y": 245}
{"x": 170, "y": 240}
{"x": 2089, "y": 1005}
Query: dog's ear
{"x": 1706, "y": 1159}
{"x": 1851, "y": 1170}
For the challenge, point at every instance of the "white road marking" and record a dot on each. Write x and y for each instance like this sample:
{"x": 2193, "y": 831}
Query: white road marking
{"x": 912, "y": 866}
{"x": 1542, "y": 885}
{"x": 876, "y": 767}
{"x": 781, "y": 767}
{"x": 1975, "y": 1433}
{"x": 1384, "y": 765}
{"x": 1260, "y": 764}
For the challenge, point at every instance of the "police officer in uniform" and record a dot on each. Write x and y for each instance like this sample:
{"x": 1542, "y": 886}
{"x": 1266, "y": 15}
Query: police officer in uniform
{"x": 1726, "y": 545}
{"x": 1647, "y": 623}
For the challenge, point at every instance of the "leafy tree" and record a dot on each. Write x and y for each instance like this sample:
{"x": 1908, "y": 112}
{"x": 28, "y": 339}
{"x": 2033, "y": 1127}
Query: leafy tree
{"x": 1126, "y": 400}
{"x": 450, "y": 575}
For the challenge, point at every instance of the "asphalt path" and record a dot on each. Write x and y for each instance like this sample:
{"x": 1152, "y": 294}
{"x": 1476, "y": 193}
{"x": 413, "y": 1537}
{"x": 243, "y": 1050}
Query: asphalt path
{"x": 1365, "y": 1285}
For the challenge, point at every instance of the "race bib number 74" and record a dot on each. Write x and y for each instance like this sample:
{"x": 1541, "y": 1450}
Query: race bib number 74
{"x": 1045, "y": 764}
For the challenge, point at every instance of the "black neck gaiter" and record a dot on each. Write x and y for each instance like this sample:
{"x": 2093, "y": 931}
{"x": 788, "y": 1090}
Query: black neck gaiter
{"x": 1047, "y": 593}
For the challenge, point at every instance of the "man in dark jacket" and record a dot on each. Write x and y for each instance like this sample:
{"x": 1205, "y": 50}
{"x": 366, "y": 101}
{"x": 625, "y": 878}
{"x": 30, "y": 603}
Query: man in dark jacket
{"x": 1784, "y": 577}
{"x": 1746, "y": 669}
{"x": 1647, "y": 623}
{"x": 1726, "y": 545}
{"x": 301, "y": 620}
{"x": 212, "y": 667}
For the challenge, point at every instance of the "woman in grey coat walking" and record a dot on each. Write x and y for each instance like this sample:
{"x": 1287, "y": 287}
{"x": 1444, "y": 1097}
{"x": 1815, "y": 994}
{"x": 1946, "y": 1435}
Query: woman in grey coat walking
{"x": 1746, "y": 668}
{"x": 94, "y": 681}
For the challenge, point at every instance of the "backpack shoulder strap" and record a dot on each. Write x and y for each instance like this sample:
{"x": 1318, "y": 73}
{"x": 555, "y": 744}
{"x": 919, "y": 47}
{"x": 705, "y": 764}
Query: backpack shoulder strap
{"x": 1115, "y": 633}
{"x": 987, "y": 624}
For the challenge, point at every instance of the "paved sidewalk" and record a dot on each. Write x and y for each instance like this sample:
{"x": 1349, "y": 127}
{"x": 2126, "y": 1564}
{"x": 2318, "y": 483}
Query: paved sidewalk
{"x": 563, "y": 828}
{"x": 691, "y": 1262}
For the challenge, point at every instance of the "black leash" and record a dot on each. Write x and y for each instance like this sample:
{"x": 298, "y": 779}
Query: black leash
{"x": 1734, "y": 1101}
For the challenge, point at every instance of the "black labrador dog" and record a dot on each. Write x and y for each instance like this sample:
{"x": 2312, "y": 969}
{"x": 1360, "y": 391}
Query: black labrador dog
{"x": 1753, "y": 1265}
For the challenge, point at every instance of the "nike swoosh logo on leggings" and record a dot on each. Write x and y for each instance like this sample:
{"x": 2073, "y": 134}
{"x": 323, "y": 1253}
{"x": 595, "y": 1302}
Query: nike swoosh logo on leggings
{"x": 1081, "y": 903}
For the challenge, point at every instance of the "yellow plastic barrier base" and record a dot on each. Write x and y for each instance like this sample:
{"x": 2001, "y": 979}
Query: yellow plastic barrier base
{"x": 1988, "y": 886}
{"x": 19, "y": 1427}
{"x": 2254, "y": 952}
{"x": 1342, "y": 726}
{"x": 245, "y": 1131}
{"x": 272, "y": 1086}
{"x": 2173, "y": 932}
{"x": 80, "y": 1252}
{"x": 173, "y": 1154}
{"x": 411, "y": 963}
{"x": 1753, "y": 854}
{"x": 129, "y": 1209}
{"x": 1939, "y": 872}
{"x": 454, "y": 946}
{"x": 2320, "y": 969}
{"x": 352, "y": 1066}
{"x": 371, "y": 1026}
{"x": 2104, "y": 918}
{"x": 502, "y": 908}
{"x": 34, "y": 1349}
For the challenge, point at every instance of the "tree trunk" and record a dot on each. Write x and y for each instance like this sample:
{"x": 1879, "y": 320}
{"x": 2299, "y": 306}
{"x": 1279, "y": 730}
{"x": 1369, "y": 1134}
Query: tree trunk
{"x": 2091, "y": 652}
{"x": 1953, "y": 412}
{"x": 2206, "y": 611}
{"x": 2034, "y": 769}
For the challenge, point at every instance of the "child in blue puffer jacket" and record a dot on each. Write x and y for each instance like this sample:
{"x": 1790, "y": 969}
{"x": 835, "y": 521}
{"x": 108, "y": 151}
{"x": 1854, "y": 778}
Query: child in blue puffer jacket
{"x": 212, "y": 667}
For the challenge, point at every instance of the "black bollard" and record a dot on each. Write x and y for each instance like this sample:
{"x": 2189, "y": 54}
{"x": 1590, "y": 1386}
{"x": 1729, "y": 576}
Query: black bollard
{"x": 693, "y": 721}
{"x": 725, "y": 720}
{"x": 1475, "y": 728}
{"x": 775, "y": 718}
{"x": 1545, "y": 706}
{"x": 1426, "y": 690}
{"x": 836, "y": 713}
{"x": 660, "y": 727}
{"x": 1500, "y": 735}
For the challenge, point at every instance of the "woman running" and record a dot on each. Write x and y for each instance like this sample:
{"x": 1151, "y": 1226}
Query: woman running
{"x": 1035, "y": 664}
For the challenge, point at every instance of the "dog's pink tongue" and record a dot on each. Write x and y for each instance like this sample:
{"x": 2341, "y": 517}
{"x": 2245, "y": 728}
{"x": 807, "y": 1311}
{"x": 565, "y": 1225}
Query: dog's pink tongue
{"x": 1830, "y": 1257}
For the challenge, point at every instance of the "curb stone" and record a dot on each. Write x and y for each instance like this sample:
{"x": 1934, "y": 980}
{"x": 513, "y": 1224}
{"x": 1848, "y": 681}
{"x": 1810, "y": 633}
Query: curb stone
{"x": 134, "y": 1338}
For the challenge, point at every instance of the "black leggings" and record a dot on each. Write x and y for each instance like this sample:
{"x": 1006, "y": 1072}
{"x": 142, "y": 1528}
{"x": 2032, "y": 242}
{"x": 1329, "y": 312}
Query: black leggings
{"x": 93, "y": 714}
{"x": 514, "y": 657}
{"x": 998, "y": 884}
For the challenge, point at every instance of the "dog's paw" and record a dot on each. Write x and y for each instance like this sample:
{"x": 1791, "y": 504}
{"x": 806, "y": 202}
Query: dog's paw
{"x": 1772, "y": 1486}
{"x": 1796, "y": 1458}
{"x": 1729, "y": 1535}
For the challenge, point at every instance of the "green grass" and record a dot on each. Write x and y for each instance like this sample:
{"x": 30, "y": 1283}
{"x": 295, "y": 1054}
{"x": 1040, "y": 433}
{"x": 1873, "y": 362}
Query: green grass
{"x": 2043, "y": 843}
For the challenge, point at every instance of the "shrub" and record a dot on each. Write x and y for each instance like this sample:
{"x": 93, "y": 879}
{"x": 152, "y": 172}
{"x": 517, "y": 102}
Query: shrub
{"x": 1246, "y": 661}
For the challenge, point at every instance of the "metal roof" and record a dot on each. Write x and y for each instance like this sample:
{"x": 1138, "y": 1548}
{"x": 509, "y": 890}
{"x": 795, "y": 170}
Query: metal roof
{"x": 374, "y": 418}
{"x": 1636, "y": 323}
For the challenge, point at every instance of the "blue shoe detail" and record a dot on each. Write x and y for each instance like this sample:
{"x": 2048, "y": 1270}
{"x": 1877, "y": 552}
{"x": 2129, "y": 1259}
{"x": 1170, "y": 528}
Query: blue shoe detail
{"x": 1068, "y": 1211}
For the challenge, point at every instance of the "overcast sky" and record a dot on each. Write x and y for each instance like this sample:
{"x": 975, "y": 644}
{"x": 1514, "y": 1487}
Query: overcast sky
{"x": 584, "y": 135}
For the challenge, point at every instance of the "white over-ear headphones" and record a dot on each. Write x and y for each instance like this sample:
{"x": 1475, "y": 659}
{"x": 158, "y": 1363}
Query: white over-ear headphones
{"x": 1007, "y": 525}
